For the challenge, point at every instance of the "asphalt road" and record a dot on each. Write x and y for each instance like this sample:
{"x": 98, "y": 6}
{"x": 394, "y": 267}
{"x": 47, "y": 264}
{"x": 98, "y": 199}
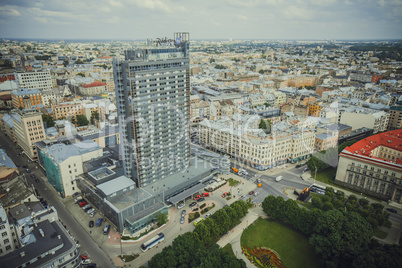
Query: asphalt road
{"x": 53, "y": 199}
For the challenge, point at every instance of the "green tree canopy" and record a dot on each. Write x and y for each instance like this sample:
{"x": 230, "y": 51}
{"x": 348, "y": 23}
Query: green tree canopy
{"x": 48, "y": 120}
{"x": 162, "y": 218}
{"x": 81, "y": 120}
{"x": 340, "y": 237}
{"x": 94, "y": 117}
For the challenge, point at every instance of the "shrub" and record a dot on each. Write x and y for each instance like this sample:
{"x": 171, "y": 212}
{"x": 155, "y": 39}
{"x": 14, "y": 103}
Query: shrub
{"x": 203, "y": 206}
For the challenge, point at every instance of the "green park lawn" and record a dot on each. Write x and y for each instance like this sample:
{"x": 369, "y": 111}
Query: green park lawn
{"x": 293, "y": 247}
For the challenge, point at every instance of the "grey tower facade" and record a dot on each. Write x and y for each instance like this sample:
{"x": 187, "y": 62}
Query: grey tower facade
{"x": 152, "y": 88}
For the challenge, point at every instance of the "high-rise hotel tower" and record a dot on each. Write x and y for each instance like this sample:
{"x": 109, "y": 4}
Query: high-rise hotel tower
{"x": 153, "y": 102}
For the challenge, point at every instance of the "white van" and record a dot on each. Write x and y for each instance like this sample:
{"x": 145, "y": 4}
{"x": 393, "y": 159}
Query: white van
{"x": 279, "y": 178}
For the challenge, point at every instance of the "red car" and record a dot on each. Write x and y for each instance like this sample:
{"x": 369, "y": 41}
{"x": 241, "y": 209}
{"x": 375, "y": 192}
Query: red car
{"x": 197, "y": 197}
{"x": 83, "y": 204}
{"x": 224, "y": 194}
{"x": 251, "y": 193}
{"x": 205, "y": 194}
{"x": 84, "y": 257}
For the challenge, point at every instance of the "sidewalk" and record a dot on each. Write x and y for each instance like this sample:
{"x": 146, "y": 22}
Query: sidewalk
{"x": 235, "y": 235}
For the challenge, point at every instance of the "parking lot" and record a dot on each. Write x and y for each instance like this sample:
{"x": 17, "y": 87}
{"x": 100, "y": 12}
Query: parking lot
{"x": 94, "y": 229}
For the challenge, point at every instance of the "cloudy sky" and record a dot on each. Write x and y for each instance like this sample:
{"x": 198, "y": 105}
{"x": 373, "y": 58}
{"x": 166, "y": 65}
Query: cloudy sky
{"x": 204, "y": 19}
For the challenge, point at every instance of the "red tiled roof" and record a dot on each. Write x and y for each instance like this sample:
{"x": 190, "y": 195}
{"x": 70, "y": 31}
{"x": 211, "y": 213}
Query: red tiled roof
{"x": 7, "y": 77}
{"x": 390, "y": 139}
{"x": 95, "y": 84}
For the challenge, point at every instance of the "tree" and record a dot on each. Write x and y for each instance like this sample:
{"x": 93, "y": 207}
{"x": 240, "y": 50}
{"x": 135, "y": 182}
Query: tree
{"x": 48, "y": 120}
{"x": 262, "y": 124}
{"x": 162, "y": 218}
{"x": 188, "y": 251}
{"x": 94, "y": 116}
{"x": 317, "y": 203}
{"x": 327, "y": 206}
{"x": 211, "y": 60}
{"x": 261, "y": 71}
{"x": 81, "y": 120}
{"x": 81, "y": 74}
{"x": 73, "y": 121}
{"x": 340, "y": 237}
{"x": 79, "y": 61}
{"x": 65, "y": 63}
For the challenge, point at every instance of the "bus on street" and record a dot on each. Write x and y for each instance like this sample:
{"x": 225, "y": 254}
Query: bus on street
{"x": 153, "y": 242}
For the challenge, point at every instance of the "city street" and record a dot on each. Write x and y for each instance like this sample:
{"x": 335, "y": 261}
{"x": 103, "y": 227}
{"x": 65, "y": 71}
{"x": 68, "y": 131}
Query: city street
{"x": 46, "y": 191}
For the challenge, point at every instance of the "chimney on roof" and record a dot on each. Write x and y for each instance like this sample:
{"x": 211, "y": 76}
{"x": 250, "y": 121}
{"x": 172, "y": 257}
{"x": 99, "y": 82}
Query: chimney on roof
{"x": 22, "y": 254}
{"x": 42, "y": 233}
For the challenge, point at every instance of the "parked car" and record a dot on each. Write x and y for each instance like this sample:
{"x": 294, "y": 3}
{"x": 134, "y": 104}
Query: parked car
{"x": 92, "y": 214}
{"x": 99, "y": 222}
{"x": 84, "y": 257}
{"x": 25, "y": 166}
{"x": 251, "y": 193}
{"x": 201, "y": 199}
{"x": 224, "y": 194}
{"x": 106, "y": 229}
{"x": 33, "y": 176}
{"x": 197, "y": 197}
{"x": 391, "y": 210}
{"x": 298, "y": 165}
{"x": 183, "y": 213}
{"x": 86, "y": 206}
{"x": 207, "y": 215}
{"x": 181, "y": 205}
{"x": 205, "y": 194}
{"x": 75, "y": 194}
{"x": 28, "y": 171}
{"x": 91, "y": 210}
{"x": 91, "y": 224}
{"x": 256, "y": 193}
{"x": 182, "y": 220}
{"x": 37, "y": 181}
{"x": 86, "y": 261}
{"x": 82, "y": 204}
{"x": 193, "y": 204}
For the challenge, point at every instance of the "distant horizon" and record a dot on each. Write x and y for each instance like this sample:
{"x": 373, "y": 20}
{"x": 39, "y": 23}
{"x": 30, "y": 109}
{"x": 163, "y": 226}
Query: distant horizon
{"x": 2, "y": 39}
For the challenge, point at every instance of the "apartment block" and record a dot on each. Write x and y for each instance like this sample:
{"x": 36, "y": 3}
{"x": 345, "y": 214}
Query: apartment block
{"x": 7, "y": 125}
{"x": 63, "y": 163}
{"x": 239, "y": 137}
{"x": 26, "y": 98}
{"x": 54, "y": 95}
{"x": 280, "y": 98}
{"x": 395, "y": 117}
{"x": 34, "y": 80}
{"x": 315, "y": 108}
{"x": 199, "y": 111}
{"x": 66, "y": 110}
{"x": 360, "y": 117}
{"x": 325, "y": 141}
{"x": 95, "y": 88}
{"x": 373, "y": 166}
{"x": 40, "y": 239}
{"x": 8, "y": 241}
{"x": 28, "y": 129}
